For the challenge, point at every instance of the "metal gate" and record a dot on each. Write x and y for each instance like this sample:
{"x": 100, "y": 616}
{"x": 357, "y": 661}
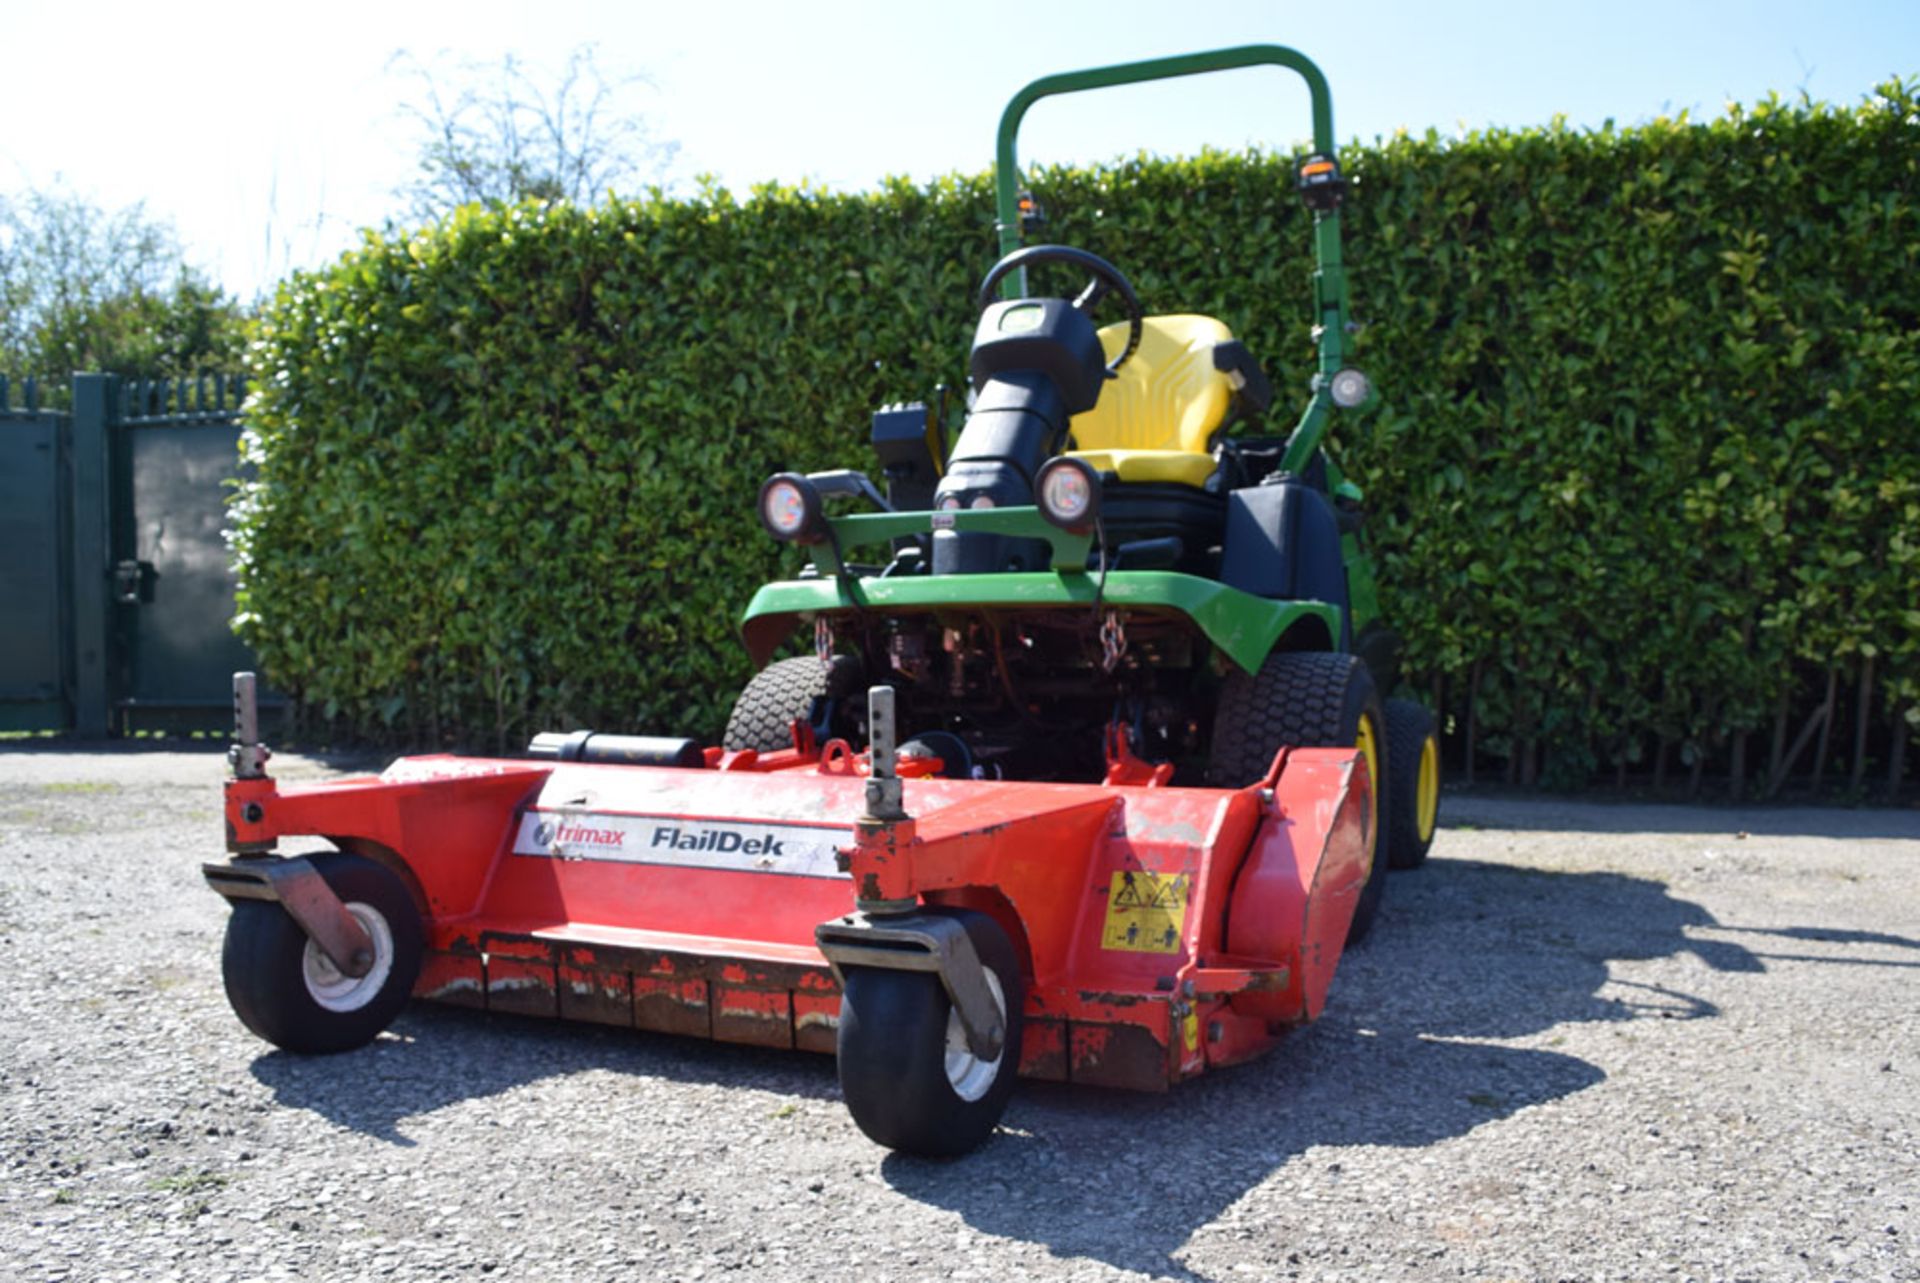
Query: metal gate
{"x": 177, "y": 451}
{"x": 114, "y": 565}
{"x": 34, "y": 546}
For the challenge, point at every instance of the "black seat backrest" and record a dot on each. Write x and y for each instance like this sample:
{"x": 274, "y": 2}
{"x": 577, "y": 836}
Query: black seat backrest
{"x": 1282, "y": 542}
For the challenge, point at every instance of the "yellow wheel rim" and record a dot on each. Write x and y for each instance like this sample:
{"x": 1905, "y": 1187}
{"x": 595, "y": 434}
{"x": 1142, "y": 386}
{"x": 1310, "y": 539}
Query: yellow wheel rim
{"x": 1366, "y": 742}
{"x": 1426, "y": 798}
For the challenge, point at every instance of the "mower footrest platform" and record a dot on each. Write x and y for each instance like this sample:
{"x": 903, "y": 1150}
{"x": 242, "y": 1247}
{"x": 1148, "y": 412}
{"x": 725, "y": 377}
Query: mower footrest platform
{"x": 1228, "y": 976}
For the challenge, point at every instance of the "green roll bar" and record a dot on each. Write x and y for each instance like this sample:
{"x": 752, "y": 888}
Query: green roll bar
{"x": 1329, "y": 278}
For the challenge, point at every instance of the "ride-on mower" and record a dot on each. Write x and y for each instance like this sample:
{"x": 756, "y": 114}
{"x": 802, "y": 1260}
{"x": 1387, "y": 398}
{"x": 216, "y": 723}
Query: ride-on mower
{"x": 1088, "y": 774}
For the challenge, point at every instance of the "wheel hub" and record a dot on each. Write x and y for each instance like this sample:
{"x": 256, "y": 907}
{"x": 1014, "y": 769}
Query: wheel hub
{"x": 969, "y": 1075}
{"x": 332, "y": 988}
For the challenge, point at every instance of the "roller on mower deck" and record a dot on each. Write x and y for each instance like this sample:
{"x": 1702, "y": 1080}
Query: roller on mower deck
{"x": 1092, "y": 780}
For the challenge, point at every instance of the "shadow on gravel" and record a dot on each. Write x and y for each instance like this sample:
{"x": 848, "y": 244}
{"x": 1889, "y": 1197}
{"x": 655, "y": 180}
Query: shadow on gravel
{"x": 1829, "y": 935}
{"x": 1535, "y": 814}
{"x": 437, "y": 1056}
{"x": 1824, "y": 935}
{"x": 1464, "y": 951}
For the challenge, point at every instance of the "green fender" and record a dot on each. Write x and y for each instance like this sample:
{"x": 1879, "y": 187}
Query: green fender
{"x": 1243, "y": 626}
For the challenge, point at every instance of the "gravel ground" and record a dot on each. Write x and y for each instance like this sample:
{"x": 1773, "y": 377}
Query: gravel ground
{"x": 1587, "y": 1042}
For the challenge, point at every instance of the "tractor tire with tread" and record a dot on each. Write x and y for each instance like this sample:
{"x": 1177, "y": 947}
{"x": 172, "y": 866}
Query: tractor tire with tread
{"x": 905, "y": 1072}
{"x": 285, "y": 990}
{"x": 779, "y": 694}
{"x": 1305, "y": 699}
{"x": 1413, "y": 766}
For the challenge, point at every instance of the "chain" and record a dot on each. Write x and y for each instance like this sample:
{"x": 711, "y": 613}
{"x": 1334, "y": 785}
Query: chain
{"x": 823, "y": 640}
{"x": 1113, "y": 642}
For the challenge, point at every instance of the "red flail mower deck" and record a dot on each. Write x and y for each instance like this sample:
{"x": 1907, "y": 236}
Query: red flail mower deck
{"x": 1157, "y": 931}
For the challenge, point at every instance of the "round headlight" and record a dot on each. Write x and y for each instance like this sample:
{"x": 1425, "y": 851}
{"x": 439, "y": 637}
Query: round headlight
{"x": 1069, "y": 494}
{"x": 790, "y": 508}
{"x": 1350, "y": 388}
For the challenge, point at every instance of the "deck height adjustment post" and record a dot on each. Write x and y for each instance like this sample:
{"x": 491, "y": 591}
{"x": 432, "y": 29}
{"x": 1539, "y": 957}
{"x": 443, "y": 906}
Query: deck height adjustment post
{"x": 885, "y": 801}
{"x": 248, "y": 756}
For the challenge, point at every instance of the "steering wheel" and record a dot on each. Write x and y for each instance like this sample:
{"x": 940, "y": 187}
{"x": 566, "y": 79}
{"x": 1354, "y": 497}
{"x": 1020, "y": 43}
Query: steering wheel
{"x": 1105, "y": 279}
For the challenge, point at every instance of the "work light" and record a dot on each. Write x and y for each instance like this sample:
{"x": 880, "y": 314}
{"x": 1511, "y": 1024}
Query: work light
{"x": 1350, "y": 388}
{"x": 1069, "y": 494}
{"x": 790, "y": 509}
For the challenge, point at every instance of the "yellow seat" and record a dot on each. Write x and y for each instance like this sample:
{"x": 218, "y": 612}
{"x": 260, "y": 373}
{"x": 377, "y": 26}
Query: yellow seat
{"x": 1157, "y": 420}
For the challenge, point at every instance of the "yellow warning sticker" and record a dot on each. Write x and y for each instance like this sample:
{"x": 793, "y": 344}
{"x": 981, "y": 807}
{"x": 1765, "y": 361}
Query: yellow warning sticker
{"x": 1145, "y": 912}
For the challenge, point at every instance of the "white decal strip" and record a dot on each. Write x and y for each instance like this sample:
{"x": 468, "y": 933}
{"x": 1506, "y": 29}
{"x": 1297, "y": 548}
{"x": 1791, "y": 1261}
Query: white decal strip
{"x": 800, "y": 850}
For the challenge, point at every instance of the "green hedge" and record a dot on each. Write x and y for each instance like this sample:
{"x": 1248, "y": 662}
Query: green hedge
{"x": 1647, "y": 466}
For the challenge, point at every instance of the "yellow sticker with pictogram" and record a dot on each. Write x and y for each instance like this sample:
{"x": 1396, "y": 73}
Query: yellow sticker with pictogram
{"x": 1145, "y": 912}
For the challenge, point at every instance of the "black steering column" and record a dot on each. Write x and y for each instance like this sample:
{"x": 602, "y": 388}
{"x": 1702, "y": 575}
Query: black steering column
{"x": 1036, "y": 363}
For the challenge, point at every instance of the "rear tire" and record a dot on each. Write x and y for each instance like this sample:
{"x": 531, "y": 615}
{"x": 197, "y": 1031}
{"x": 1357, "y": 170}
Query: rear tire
{"x": 285, "y": 990}
{"x": 908, "y": 1080}
{"x": 779, "y": 695}
{"x": 1305, "y": 699}
{"x": 788, "y": 692}
{"x": 1413, "y": 764}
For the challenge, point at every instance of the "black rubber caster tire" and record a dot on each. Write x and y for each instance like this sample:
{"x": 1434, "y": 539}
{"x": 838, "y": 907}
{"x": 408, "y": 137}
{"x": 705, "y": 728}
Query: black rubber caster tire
{"x": 284, "y": 989}
{"x": 907, "y": 1077}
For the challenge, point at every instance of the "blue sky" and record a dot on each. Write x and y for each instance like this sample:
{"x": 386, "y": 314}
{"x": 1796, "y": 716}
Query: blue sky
{"x": 267, "y": 133}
